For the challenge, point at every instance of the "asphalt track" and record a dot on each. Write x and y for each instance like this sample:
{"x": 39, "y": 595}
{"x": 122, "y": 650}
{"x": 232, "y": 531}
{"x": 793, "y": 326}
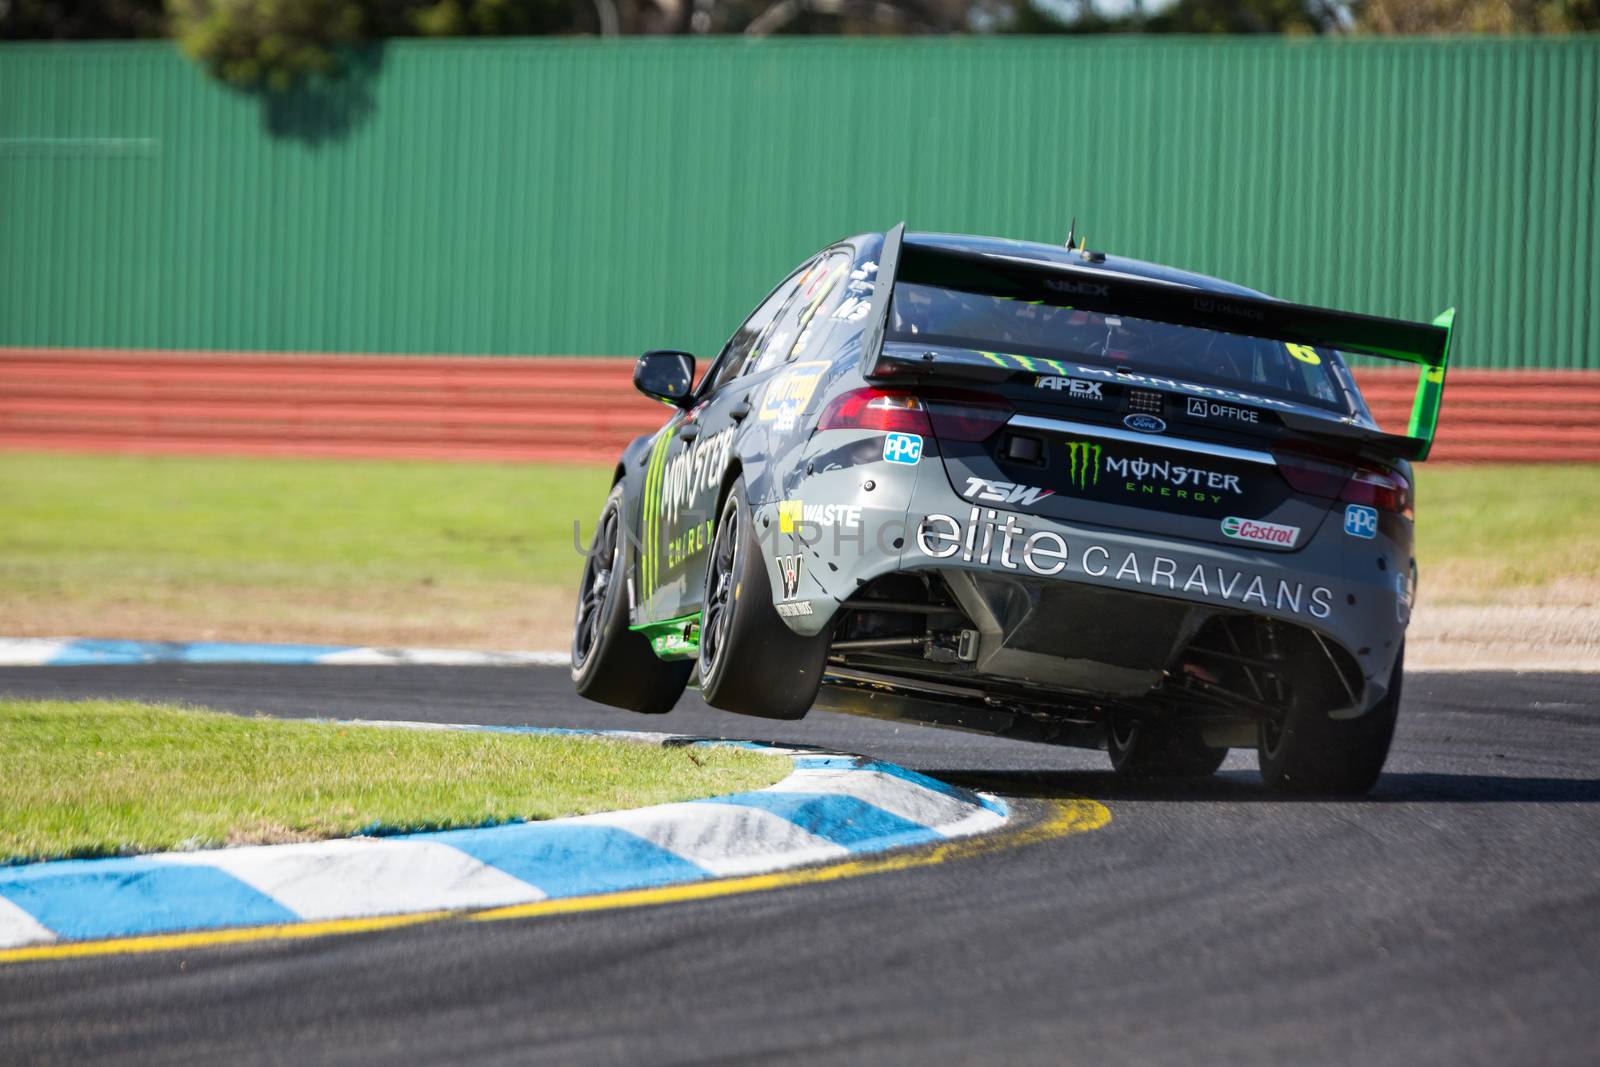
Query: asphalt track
{"x": 1451, "y": 918}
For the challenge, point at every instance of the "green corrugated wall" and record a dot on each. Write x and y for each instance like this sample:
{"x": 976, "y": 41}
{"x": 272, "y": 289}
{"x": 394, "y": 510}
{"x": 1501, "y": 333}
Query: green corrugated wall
{"x": 565, "y": 196}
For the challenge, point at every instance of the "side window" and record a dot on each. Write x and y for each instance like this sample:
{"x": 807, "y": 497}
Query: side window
{"x": 744, "y": 340}
{"x": 802, "y": 326}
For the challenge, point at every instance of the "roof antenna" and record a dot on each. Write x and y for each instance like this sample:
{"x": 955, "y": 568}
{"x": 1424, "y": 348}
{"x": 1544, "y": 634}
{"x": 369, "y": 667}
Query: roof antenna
{"x": 1072, "y": 231}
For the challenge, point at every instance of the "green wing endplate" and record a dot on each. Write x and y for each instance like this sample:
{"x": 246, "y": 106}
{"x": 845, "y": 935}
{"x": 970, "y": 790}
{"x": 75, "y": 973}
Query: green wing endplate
{"x": 1430, "y": 388}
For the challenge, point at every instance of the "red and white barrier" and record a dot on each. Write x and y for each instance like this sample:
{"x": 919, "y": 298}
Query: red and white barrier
{"x": 565, "y": 409}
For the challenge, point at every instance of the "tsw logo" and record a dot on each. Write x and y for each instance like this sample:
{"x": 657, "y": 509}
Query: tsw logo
{"x": 992, "y": 492}
{"x": 1084, "y": 463}
{"x": 789, "y": 571}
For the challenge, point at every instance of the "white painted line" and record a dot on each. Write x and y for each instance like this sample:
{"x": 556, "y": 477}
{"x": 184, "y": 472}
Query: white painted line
{"x": 29, "y": 651}
{"x": 441, "y": 657}
{"x": 980, "y": 821}
{"x": 352, "y": 878}
{"x": 17, "y": 927}
{"x": 894, "y": 795}
{"x": 725, "y": 839}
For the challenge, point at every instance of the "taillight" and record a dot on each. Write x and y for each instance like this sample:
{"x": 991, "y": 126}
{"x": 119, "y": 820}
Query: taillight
{"x": 967, "y": 420}
{"x": 1312, "y": 476}
{"x": 1376, "y": 487}
{"x": 1383, "y": 489}
{"x": 875, "y": 409}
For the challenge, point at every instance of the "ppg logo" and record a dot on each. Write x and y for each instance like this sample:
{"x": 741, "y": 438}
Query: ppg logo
{"x": 1361, "y": 521}
{"x": 902, "y": 447}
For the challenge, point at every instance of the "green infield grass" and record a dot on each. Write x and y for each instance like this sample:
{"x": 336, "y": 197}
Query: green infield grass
{"x": 1491, "y": 534}
{"x": 102, "y": 777}
{"x": 483, "y": 556}
{"x": 360, "y": 552}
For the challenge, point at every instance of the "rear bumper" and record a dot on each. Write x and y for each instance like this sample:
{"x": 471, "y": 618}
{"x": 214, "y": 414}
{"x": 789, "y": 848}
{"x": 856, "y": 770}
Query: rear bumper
{"x": 1105, "y": 590}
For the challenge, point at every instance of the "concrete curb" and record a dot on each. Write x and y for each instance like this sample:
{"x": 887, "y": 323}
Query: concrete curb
{"x": 83, "y": 651}
{"x": 830, "y": 807}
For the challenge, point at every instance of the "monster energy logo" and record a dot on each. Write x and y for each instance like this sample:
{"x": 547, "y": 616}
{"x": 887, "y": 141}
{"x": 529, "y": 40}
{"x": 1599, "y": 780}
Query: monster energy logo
{"x": 1085, "y": 460}
{"x": 650, "y": 520}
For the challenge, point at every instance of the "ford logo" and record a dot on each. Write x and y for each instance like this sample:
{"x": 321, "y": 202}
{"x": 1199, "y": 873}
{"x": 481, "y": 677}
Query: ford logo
{"x": 1145, "y": 423}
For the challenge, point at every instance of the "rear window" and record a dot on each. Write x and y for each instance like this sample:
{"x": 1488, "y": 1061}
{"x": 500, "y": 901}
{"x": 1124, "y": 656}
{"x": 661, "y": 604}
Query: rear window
{"x": 1119, "y": 342}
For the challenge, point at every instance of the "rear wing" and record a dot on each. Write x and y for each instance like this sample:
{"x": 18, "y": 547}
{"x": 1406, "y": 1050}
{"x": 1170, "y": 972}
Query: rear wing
{"x": 1023, "y": 278}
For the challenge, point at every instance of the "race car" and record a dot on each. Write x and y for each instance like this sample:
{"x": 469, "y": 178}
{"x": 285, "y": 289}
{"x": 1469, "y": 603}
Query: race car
{"x": 1030, "y": 490}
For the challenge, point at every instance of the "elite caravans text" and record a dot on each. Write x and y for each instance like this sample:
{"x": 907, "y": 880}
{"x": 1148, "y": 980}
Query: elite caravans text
{"x": 986, "y": 538}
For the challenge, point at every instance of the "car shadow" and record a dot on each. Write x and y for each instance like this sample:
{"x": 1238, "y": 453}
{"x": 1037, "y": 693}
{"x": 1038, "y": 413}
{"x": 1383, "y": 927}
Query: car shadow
{"x": 1244, "y": 786}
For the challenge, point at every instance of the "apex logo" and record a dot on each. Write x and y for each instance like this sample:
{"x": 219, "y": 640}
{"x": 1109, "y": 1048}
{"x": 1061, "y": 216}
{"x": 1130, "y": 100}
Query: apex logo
{"x": 1071, "y": 386}
{"x": 789, "y": 571}
{"x": 1077, "y": 288}
{"x": 993, "y": 492}
{"x": 1084, "y": 463}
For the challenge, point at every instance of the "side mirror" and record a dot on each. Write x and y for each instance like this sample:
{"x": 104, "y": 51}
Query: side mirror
{"x": 665, "y": 374}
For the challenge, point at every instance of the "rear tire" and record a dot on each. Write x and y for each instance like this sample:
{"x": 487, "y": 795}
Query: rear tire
{"x": 1304, "y": 751}
{"x": 1147, "y": 749}
{"x": 750, "y": 661}
{"x": 612, "y": 664}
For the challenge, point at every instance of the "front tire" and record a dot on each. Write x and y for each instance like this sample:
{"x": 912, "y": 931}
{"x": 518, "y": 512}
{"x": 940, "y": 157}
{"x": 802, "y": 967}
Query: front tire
{"x": 612, "y": 664}
{"x": 1151, "y": 749}
{"x": 750, "y": 661}
{"x": 1304, "y": 751}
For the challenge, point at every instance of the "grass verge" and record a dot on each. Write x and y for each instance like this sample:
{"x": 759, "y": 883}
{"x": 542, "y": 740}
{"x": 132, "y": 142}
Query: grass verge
{"x": 97, "y": 778}
{"x": 483, "y": 556}
{"x": 1513, "y": 533}
{"x": 337, "y": 552}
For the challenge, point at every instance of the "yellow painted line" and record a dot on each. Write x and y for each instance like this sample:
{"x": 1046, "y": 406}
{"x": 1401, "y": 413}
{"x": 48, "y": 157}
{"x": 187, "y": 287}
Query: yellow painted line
{"x": 1063, "y": 817}
{"x": 127, "y": 946}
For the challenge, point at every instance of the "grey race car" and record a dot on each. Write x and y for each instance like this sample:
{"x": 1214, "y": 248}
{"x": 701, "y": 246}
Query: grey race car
{"x": 1028, "y": 490}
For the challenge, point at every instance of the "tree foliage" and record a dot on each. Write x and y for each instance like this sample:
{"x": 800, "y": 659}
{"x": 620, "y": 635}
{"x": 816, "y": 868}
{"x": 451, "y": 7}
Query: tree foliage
{"x": 1348, "y": 17}
{"x": 81, "y": 19}
{"x": 280, "y": 44}
{"x": 1477, "y": 16}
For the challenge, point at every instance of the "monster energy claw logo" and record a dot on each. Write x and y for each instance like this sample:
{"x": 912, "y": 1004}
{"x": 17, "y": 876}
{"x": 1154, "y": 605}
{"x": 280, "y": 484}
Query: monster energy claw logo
{"x": 1085, "y": 462}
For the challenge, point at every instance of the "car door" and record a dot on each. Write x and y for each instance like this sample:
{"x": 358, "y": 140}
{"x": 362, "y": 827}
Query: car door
{"x": 760, "y": 409}
{"x": 684, "y": 469}
{"x": 783, "y": 377}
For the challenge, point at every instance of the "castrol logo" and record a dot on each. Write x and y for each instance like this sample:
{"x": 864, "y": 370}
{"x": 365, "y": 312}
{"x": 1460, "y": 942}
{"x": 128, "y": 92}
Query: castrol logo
{"x": 1265, "y": 533}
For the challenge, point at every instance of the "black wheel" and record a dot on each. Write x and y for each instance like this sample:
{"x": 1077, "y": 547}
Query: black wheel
{"x": 750, "y": 661}
{"x": 610, "y": 663}
{"x": 1304, "y": 751}
{"x": 1144, "y": 748}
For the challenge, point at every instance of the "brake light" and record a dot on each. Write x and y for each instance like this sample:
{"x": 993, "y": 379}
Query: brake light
{"x": 1383, "y": 489}
{"x": 875, "y": 409}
